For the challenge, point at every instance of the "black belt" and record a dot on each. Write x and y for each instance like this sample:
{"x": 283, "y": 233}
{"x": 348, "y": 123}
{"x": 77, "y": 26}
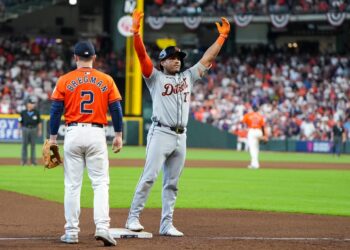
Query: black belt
{"x": 176, "y": 129}
{"x": 92, "y": 124}
{"x": 29, "y": 126}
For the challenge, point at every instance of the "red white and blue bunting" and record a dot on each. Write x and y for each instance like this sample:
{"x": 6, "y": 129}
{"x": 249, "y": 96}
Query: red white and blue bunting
{"x": 242, "y": 20}
{"x": 279, "y": 21}
{"x": 336, "y": 18}
{"x": 156, "y": 23}
{"x": 192, "y": 22}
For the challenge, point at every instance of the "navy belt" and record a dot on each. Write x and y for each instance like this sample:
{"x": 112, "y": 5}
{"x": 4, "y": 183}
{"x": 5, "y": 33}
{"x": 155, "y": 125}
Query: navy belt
{"x": 92, "y": 124}
{"x": 176, "y": 129}
{"x": 30, "y": 126}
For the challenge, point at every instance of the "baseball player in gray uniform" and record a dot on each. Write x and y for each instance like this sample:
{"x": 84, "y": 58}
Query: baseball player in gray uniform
{"x": 170, "y": 90}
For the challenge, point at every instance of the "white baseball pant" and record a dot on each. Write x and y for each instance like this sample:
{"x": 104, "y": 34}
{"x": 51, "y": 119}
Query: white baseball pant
{"x": 254, "y": 134}
{"x": 85, "y": 146}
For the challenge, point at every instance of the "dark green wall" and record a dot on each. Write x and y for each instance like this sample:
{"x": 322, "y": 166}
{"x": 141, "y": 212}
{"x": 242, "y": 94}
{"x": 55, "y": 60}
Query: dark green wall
{"x": 201, "y": 135}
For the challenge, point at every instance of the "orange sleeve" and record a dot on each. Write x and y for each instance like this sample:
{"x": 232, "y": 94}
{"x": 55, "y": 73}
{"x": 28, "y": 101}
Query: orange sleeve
{"x": 114, "y": 94}
{"x": 244, "y": 120}
{"x": 145, "y": 60}
{"x": 58, "y": 91}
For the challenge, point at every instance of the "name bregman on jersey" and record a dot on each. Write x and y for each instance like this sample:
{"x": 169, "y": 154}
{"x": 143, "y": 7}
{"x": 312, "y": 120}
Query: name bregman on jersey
{"x": 86, "y": 79}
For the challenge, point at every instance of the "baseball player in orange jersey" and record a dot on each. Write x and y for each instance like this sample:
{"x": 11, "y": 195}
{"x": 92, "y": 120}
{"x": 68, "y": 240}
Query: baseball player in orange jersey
{"x": 85, "y": 94}
{"x": 256, "y": 132}
{"x": 170, "y": 90}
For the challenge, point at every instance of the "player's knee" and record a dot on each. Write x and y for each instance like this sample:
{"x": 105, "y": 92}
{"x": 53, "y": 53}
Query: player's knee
{"x": 149, "y": 181}
{"x": 171, "y": 186}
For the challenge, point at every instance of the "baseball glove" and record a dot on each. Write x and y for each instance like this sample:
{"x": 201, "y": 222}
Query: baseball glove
{"x": 51, "y": 155}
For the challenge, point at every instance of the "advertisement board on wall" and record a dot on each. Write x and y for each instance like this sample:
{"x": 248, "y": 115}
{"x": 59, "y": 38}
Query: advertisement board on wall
{"x": 9, "y": 130}
{"x": 314, "y": 146}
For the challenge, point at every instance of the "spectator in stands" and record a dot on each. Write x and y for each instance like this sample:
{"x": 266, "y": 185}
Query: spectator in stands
{"x": 308, "y": 129}
{"x": 289, "y": 85}
{"x": 31, "y": 68}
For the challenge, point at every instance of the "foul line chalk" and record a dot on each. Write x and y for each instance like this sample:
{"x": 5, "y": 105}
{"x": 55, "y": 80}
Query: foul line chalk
{"x": 213, "y": 238}
{"x": 277, "y": 239}
{"x": 30, "y": 238}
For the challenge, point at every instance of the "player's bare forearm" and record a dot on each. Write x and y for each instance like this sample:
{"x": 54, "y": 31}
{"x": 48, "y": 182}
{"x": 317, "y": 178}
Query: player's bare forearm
{"x": 118, "y": 134}
{"x": 210, "y": 55}
{"x": 117, "y": 142}
{"x": 53, "y": 139}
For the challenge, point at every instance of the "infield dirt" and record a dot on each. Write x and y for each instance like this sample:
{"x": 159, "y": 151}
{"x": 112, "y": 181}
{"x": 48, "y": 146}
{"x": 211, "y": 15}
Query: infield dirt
{"x": 31, "y": 223}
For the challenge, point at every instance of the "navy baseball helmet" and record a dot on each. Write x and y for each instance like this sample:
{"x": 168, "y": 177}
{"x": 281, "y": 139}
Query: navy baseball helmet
{"x": 84, "y": 49}
{"x": 172, "y": 51}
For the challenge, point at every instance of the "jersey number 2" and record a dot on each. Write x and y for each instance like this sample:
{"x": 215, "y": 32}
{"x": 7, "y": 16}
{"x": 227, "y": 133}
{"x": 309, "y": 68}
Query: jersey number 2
{"x": 87, "y": 100}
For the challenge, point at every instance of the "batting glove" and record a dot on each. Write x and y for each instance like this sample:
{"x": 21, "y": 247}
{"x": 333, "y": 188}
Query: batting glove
{"x": 137, "y": 16}
{"x": 223, "y": 29}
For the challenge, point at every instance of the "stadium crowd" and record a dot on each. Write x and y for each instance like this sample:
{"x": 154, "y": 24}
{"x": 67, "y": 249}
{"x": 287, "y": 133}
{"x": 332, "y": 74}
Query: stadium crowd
{"x": 230, "y": 7}
{"x": 31, "y": 67}
{"x": 300, "y": 95}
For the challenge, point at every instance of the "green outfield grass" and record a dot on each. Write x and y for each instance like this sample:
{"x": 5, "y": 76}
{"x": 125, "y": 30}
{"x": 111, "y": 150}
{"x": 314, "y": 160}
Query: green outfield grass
{"x": 303, "y": 191}
{"x": 14, "y": 150}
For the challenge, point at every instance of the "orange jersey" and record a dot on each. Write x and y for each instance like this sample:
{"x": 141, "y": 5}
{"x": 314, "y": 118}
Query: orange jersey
{"x": 86, "y": 93}
{"x": 254, "y": 120}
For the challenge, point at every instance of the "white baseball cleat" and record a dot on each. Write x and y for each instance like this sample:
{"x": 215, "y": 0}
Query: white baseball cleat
{"x": 70, "y": 238}
{"x": 105, "y": 236}
{"x": 172, "y": 231}
{"x": 134, "y": 225}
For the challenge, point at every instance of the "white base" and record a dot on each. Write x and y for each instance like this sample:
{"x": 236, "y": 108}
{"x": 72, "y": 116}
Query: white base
{"x": 126, "y": 233}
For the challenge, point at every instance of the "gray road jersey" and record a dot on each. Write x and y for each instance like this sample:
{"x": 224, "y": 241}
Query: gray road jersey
{"x": 171, "y": 95}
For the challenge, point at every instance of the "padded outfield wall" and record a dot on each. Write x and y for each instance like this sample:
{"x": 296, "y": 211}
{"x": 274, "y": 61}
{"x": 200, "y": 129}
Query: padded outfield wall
{"x": 10, "y": 131}
{"x": 199, "y": 135}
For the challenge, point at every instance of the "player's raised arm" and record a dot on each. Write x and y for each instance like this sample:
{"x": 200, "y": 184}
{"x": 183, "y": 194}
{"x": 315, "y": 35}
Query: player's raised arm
{"x": 211, "y": 53}
{"x": 145, "y": 60}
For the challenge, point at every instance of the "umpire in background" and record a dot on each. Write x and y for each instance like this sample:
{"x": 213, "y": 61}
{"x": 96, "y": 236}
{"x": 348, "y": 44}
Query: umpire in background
{"x": 30, "y": 122}
{"x": 338, "y": 137}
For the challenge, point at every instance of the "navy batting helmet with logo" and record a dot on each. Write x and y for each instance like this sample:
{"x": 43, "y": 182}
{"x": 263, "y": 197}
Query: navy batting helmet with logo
{"x": 172, "y": 51}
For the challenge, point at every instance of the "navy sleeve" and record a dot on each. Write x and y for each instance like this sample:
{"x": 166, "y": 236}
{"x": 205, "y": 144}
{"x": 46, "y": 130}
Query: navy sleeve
{"x": 116, "y": 112}
{"x": 55, "y": 116}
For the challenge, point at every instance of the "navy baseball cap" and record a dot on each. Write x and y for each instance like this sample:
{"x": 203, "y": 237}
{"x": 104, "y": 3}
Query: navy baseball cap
{"x": 171, "y": 51}
{"x": 84, "y": 49}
